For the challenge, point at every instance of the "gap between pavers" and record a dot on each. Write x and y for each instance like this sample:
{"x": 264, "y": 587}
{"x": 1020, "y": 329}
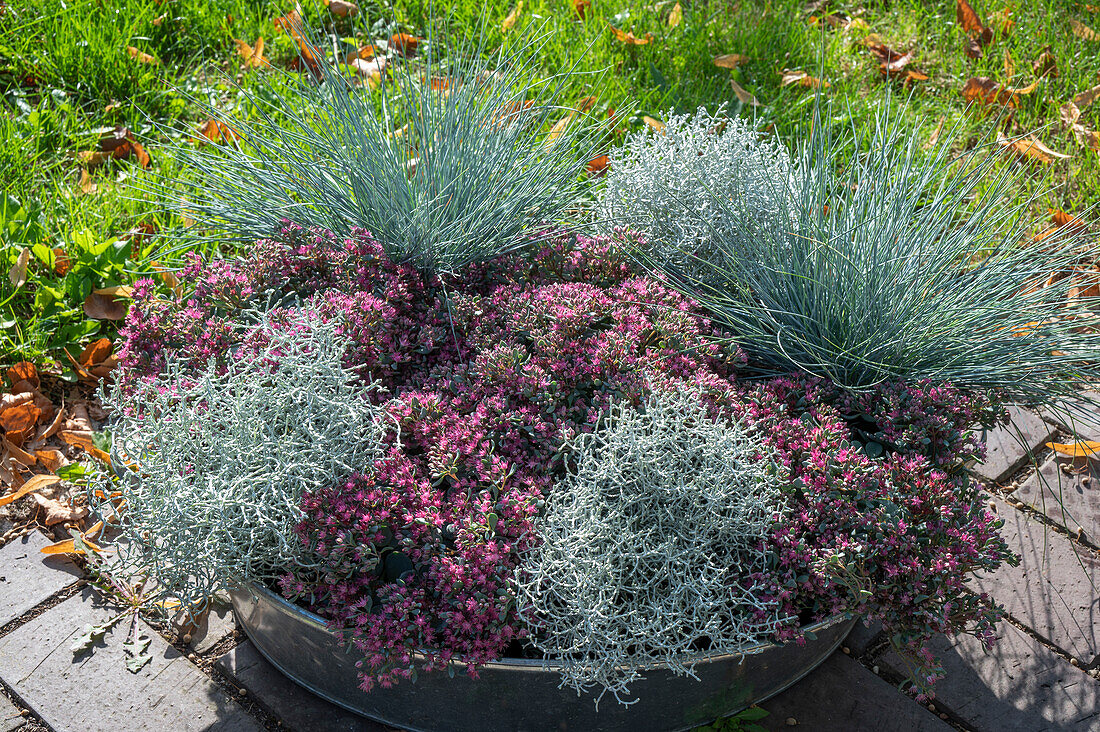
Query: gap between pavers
{"x": 841, "y": 695}
{"x": 1056, "y": 589}
{"x": 93, "y": 692}
{"x": 1008, "y": 448}
{"x": 298, "y": 709}
{"x": 1072, "y": 501}
{"x": 29, "y": 577}
{"x": 1019, "y": 686}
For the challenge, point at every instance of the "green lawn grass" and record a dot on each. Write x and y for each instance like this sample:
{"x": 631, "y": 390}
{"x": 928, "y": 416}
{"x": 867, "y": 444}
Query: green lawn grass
{"x": 66, "y": 74}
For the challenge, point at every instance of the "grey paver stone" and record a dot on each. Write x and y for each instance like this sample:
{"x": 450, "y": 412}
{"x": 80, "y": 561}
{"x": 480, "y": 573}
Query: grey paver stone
{"x": 1018, "y": 686}
{"x": 27, "y": 576}
{"x": 10, "y": 718}
{"x": 217, "y": 624}
{"x": 1007, "y": 448}
{"x": 862, "y": 637}
{"x": 93, "y": 692}
{"x": 1056, "y": 589}
{"x": 1078, "y": 417}
{"x": 843, "y": 696}
{"x": 298, "y": 709}
{"x": 1070, "y": 500}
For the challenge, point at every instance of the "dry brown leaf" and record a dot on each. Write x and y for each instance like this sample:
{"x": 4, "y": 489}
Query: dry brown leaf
{"x": 141, "y": 56}
{"x": 58, "y": 512}
{"x": 68, "y": 546}
{"x": 580, "y": 7}
{"x": 743, "y": 94}
{"x": 18, "y": 454}
{"x": 116, "y": 144}
{"x": 654, "y": 124}
{"x": 1069, "y": 113}
{"x": 675, "y": 16}
{"x": 363, "y": 52}
{"x": 215, "y": 131}
{"x": 36, "y": 483}
{"x": 370, "y": 69}
{"x": 95, "y": 352}
{"x": 1031, "y": 148}
{"x": 597, "y": 165}
{"x": 984, "y": 90}
{"x": 1087, "y": 97}
{"x": 17, "y": 275}
{"x": 18, "y": 421}
{"x": 1086, "y": 448}
{"x": 1083, "y": 31}
{"x": 1045, "y": 64}
{"x": 61, "y": 261}
{"x": 1086, "y": 285}
{"x": 83, "y": 440}
{"x": 629, "y": 38}
{"x": 115, "y": 291}
{"x": 88, "y": 187}
{"x": 730, "y": 60}
{"x": 892, "y": 62}
{"x": 342, "y": 8}
{"x": 7, "y": 401}
{"x": 252, "y": 57}
{"x": 404, "y": 44}
{"x": 510, "y": 21}
{"x": 23, "y": 371}
{"x": 104, "y": 307}
{"x": 1009, "y": 66}
{"x": 51, "y": 459}
{"x": 971, "y": 23}
{"x": 802, "y": 79}
{"x": 53, "y": 428}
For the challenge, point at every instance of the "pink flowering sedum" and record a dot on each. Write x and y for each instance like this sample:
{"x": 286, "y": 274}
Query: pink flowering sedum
{"x": 486, "y": 375}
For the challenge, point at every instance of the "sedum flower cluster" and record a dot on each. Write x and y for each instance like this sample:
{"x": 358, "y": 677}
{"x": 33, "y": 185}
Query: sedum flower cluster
{"x": 489, "y": 374}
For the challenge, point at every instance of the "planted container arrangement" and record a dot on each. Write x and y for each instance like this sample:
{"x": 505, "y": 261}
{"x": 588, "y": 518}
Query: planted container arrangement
{"x": 465, "y": 466}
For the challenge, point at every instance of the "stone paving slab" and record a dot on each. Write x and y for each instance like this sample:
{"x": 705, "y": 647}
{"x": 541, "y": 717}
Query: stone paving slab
{"x": 840, "y": 695}
{"x": 1019, "y": 686}
{"x": 1072, "y": 500}
{"x": 862, "y": 637}
{"x": 1056, "y": 589}
{"x": 217, "y": 625}
{"x": 297, "y": 709}
{"x": 1008, "y": 447}
{"x": 27, "y": 576}
{"x": 94, "y": 692}
{"x": 1081, "y": 419}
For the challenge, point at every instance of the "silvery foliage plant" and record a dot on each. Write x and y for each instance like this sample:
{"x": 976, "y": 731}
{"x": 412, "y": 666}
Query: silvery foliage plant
{"x": 647, "y": 545}
{"x": 668, "y": 185}
{"x": 214, "y": 458}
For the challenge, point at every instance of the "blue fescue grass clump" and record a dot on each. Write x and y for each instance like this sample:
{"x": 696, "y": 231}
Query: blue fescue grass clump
{"x": 453, "y": 158}
{"x": 892, "y": 262}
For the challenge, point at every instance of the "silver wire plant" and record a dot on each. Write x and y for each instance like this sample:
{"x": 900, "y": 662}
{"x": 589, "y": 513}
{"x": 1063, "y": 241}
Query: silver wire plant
{"x": 220, "y": 454}
{"x": 455, "y": 158}
{"x": 654, "y": 177}
{"x": 647, "y": 546}
{"x": 892, "y": 262}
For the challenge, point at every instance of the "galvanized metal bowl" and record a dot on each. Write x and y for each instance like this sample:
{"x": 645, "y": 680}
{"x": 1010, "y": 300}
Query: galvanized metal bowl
{"x": 516, "y": 694}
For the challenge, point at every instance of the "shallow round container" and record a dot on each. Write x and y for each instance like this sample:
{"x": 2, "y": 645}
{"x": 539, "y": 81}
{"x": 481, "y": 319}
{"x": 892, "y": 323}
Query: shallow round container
{"x": 517, "y": 695}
